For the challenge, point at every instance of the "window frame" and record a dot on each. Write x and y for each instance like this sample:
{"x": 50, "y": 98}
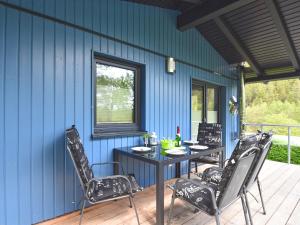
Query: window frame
{"x": 118, "y": 129}
{"x": 205, "y": 85}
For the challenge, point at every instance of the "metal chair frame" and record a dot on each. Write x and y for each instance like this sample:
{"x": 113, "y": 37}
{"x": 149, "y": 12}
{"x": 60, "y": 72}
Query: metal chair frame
{"x": 253, "y": 178}
{"x": 87, "y": 187}
{"x": 217, "y": 206}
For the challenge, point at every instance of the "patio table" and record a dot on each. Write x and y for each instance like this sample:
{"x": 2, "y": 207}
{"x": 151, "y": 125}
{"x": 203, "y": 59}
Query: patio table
{"x": 159, "y": 159}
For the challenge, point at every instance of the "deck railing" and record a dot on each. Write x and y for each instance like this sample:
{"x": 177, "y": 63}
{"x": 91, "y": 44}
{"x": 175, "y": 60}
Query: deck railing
{"x": 288, "y": 127}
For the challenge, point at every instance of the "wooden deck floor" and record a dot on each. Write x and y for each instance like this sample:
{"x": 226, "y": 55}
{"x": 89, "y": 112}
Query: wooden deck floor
{"x": 281, "y": 190}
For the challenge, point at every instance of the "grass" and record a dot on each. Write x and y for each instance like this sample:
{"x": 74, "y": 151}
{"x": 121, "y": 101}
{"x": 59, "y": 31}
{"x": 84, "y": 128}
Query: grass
{"x": 280, "y": 153}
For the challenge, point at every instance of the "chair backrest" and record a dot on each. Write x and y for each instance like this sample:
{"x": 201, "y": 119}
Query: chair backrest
{"x": 265, "y": 145}
{"x": 234, "y": 176}
{"x": 210, "y": 134}
{"x": 244, "y": 144}
{"x": 80, "y": 161}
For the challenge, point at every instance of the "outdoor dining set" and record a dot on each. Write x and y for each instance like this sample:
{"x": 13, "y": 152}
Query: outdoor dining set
{"x": 211, "y": 191}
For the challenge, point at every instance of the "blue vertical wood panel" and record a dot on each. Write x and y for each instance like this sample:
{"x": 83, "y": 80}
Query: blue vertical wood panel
{"x": 11, "y": 146}
{"x": 25, "y": 115}
{"x": 87, "y": 100}
{"x": 46, "y": 86}
{"x": 118, "y": 29}
{"x": 59, "y": 113}
{"x": 69, "y": 112}
{"x": 49, "y": 120}
{"x": 103, "y": 24}
{"x": 2, "y": 114}
{"x": 37, "y": 117}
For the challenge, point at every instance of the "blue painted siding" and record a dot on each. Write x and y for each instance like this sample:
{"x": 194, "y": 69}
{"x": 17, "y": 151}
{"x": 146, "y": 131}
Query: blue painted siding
{"x": 45, "y": 87}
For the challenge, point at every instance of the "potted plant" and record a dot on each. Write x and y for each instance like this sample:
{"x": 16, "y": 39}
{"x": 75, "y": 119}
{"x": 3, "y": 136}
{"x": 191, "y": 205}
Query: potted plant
{"x": 146, "y": 139}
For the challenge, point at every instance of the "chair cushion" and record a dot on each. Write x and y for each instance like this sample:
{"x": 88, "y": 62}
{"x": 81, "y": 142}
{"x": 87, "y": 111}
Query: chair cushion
{"x": 244, "y": 144}
{"x": 210, "y": 134}
{"x": 112, "y": 187}
{"x": 75, "y": 147}
{"x": 196, "y": 195}
{"x": 212, "y": 174}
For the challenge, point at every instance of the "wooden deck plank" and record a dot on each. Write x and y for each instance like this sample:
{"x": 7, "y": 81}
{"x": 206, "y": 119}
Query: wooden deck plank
{"x": 270, "y": 188}
{"x": 281, "y": 186}
{"x": 235, "y": 212}
{"x": 278, "y": 199}
{"x": 295, "y": 216}
{"x": 269, "y": 185}
{"x": 287, "y": 205}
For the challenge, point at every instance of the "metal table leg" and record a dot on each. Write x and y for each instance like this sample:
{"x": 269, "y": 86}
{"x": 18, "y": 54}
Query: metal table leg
{"x": 116, "y": 157}
{"x": 221, "y": 159}
{"x": 159, "y": 194}
{"x": 189, "y": 169}
{"x": 177, "y": 170}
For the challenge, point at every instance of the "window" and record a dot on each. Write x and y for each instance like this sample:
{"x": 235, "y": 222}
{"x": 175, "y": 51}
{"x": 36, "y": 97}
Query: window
{"x": 205, "y": 105}
{"x": 117, "y": 97}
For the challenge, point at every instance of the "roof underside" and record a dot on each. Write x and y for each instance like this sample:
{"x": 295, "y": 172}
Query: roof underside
{"x": 265, "y": 33}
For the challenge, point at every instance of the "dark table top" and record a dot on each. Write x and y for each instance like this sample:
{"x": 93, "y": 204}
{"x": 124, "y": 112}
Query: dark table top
{"x": 157, "y": 155}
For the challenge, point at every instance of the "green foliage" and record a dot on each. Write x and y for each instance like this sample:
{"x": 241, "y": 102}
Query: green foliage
{"x": 277, "y": 102}
{"x": 125, "y": 82}
{"x": 280, "y": 153}
{"x": 115, "y": 98}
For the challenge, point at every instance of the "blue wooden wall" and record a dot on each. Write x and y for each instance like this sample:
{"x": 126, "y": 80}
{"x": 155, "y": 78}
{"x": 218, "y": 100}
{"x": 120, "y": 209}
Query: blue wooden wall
{"x": 45, "y": 87}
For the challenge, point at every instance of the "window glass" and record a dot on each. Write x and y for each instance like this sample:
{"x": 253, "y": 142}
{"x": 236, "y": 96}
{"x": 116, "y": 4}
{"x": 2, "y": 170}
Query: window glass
{"x": 115, "y": 94}
{"x": 212, "y": 105}
{"x": 204, "y": 105}
{"x": 197, "y": 109}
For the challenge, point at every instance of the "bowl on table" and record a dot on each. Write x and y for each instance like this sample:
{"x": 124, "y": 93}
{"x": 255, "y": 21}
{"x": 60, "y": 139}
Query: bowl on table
{"x": 167, "y": 144}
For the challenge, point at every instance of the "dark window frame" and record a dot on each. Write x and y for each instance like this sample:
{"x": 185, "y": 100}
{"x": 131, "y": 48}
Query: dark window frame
{"x": 102, "y": 130}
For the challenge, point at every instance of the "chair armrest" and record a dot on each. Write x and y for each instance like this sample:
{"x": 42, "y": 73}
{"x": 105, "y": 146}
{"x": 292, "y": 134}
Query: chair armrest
{"x": 109, "y": 177}
{"x": 107, "y": 163}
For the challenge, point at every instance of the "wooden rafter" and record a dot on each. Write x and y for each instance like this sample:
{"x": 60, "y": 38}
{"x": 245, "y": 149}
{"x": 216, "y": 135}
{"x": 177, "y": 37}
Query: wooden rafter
{"x": 235, "y": 41}
{"x": 208, "y": 11}
{"x": 281, "y": 76}
{"x": 283, "y": 32}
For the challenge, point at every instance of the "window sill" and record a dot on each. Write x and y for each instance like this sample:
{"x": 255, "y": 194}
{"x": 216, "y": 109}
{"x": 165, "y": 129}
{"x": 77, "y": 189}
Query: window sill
{"x": 117, "y": 134}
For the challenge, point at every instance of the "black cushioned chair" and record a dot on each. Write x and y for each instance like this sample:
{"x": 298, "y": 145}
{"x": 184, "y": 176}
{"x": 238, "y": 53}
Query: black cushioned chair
{"x": 98, "y": 189}
{"x": 265, "y": 145}
{"x": 209, "y": 134}
{"x": 213, "y": 198}
{"x": 213, "y": 174}
{"x": 264, "y": 142}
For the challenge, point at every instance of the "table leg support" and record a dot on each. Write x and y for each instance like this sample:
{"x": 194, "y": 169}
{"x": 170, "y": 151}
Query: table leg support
{"x": 159, "y": 194}
{"x": 221, "y": 159}
{"x": 177, "y": 170}
{"x": 116, "y": 157}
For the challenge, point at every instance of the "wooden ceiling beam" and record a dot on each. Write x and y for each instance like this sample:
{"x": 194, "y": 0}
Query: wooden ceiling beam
{"x": 192, "y": 1}
{"x": 265, "y": 78}
{"x": 208, "y": 11}
{"x": 235, "y": 41}
{"x": 283, "y": 32}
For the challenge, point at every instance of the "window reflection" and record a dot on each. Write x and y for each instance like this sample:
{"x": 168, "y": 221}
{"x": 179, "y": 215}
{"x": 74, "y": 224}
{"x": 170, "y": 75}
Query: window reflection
{"x": 114, "y": 94}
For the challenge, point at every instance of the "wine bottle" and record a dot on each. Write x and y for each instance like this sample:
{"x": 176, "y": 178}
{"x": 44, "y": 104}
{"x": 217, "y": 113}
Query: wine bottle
{"x": 178, "y": 137}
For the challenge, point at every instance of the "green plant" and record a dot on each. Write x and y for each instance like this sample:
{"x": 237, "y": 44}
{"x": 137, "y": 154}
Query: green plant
{"x": 167, "y": 143}
{"x": 146, "y": 135}
{"x": 277, "y": 102}
{"x": 280, "y": 153}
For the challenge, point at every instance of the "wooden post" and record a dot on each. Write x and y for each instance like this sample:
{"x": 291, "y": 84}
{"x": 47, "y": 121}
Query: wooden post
{"x": 289, "y": 145}
{"x": 242, "y": 103}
